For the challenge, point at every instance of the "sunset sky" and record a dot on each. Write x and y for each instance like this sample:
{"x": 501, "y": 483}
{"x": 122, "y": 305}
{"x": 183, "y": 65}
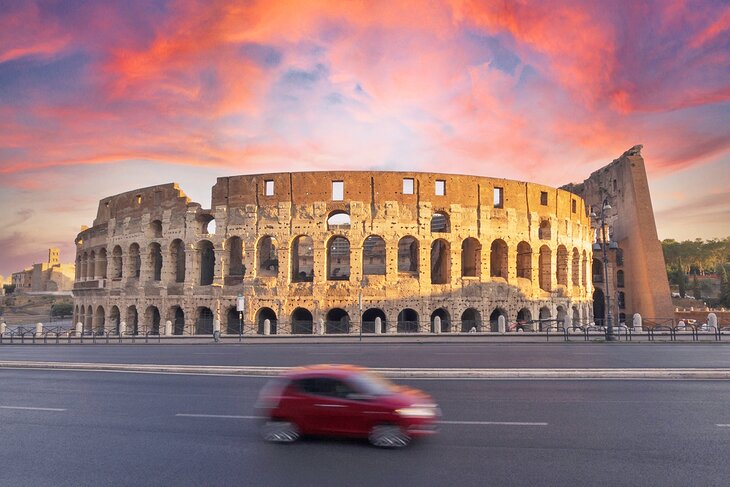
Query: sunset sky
{"x": 101, "y": 97}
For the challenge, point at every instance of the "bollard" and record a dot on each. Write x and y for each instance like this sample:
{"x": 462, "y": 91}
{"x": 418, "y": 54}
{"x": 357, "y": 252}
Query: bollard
{"x": 3, "y": 327}
{"x": 637, "y": 323}
{"x": 216, "y": 330}
{"x": 79, "y": 328}
{"x": 39, "y": 328}
{"x": 122, "y": 328}
{"x": 712, "y": 321}
{"x": 267, "y": 326}
{"x": 378, "y": 325}
{"x": 321, "y": 327}
{"x": 501, "y": 324}
{"x": 168, "y": 328}
{"x": 437, "y": 324}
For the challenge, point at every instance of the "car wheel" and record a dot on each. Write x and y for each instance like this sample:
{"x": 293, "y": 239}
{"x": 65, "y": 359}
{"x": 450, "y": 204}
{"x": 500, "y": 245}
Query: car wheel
{"x": 280, "y": 431}
{"x": 388, "y": 436}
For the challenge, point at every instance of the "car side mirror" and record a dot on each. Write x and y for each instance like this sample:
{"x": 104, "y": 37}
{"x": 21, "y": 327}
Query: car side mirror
{"x": 355, "y": 396}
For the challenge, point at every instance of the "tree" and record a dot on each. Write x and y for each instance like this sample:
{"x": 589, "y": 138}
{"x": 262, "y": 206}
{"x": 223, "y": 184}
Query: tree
{"x": 62, "y": 309}
{"x": 9, "y": 288}
{"x": 724, "y": 287}
{"x": 696, "y": 291}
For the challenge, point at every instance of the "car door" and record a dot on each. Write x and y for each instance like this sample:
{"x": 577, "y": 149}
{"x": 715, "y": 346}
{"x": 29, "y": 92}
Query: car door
{"x": 321, "y": 407}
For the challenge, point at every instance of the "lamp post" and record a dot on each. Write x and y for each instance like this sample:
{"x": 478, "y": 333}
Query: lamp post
{"x": 602, "y": 246}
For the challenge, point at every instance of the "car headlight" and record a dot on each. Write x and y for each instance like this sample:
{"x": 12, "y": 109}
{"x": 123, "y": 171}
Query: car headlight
{"x": 418, "y": 411}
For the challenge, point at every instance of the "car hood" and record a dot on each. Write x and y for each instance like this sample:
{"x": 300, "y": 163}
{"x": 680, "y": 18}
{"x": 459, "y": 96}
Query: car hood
{"x": 402, "y": 396}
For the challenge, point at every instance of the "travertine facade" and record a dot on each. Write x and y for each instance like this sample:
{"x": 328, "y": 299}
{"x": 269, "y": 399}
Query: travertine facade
{"x": 305, "y": 249}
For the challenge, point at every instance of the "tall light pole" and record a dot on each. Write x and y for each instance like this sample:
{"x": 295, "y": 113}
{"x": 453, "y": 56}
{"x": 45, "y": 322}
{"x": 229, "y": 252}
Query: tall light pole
{"x": 602, "y": 246}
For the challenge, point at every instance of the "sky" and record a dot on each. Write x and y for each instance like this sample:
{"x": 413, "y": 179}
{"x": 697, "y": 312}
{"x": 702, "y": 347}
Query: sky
{"x": 100, "y": 97}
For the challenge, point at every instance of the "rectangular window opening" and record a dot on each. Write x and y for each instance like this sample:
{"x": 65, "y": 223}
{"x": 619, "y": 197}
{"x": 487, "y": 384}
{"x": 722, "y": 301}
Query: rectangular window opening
{"x": 543, "y": 198}
{"x": 440, "y": 187}
{"x": 574, "y": 206}
{"x": 407, "y": 185}
{"x": 269, "y": 187}
{"x": 499, "y": 197}
{"x": 338, "y": 190}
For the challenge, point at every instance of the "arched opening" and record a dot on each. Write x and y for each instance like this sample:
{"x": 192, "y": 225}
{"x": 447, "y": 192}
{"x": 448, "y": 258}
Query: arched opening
{"x": 99, "y": 320}
{"x": 576, "y": 267}
{"x": 82, "y": 318}
{"x": 235, "y": 257}
{"x": 440, "y": 262}
{"x": 206, "y": 256}
{"x": 524, "y": 320}
{"x": 471, "y": 321}
{"x": 620, "y": 279}
{"x": 498, "y": 260}
{"x": 619, "y": 257}
{"x": 576, "y": 317}
{"x": 155, "y": 229}
{"x": 599, "y": 307}
{"x": 152, "y": 320}
{"x": 302, "y": 256}
{"x": 91, "y": 266}
{"x": 544, "y": 231}
{"x": 301, "y": 322}
{"x": 82, "y": 262}
{"x": 89, "y": 324}
{"x": 114, "y": 319}
{"x": 545, "y": 268}
{"x": 135, "y": 261}
{"x": 440, "y": 222}
{"x": 621, "y": 299}
{"x": 545, "y": 317}
{"x": 132, "y": 321}
{"x": 338, "y": 259}
{"x": 408, "y": 255}
{"x": 177, "y": 257}
{"x": 178, "y": 325}
{"x": 266, "y": 314}
{"x": 597, "y": 271}
{"x": 407, "y": 321}
{"x": 338, "y": 221}
{"x": 101, "y": 264}
{"x": 562, "y": 266}
{"x": 524, "y": 261}
{"x": 156, "y": 261}
{"x": 562, "y": 314}
{"x": 207, "y": 224}
{"x": 445, "y": 319}
{"x": 204, "y": 322}
{"x": 267, "y": 257}
{"x": 368, "y": 320}
{"x": 494, "y": 319}
{"x": 471, "y": 257}
{"x": 622, "y": 319}
{"x": 233, "y": 323}
{"x": 338, "y": 321}
{"x": 373, "y": 256}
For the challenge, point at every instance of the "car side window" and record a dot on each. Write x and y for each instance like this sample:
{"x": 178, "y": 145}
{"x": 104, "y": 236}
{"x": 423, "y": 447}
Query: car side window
{"x": 324, "y": 386}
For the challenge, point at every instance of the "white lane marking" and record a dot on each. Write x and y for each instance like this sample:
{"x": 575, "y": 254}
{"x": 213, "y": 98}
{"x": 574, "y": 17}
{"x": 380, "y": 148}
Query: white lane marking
{"x": 223, "y": 416}
{"x": 487, "y": 423}
{"x": 723, "y": 425}
{"x": 26, "y": 408}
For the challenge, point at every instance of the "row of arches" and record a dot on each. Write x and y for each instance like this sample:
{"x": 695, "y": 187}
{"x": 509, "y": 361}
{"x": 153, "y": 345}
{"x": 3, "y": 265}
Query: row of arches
{"x": 93, "y": 264}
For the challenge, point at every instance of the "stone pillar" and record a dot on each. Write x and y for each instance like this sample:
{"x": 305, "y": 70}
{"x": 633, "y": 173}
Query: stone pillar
{"x": 501, "y": 324}
{"x": 378, "y": 325}
{"x": 79, "y": 328}
{"x": 267, "y": 326}
{"x": 168, "y": 328}
{"x": 216, "y": 325}
{"x": 321, "y": 327}
{"x": 437, "y": 325}
{"x": 122, "y": 328}
{"x": 3, "y": 327}
{"x": 39, "y": 328}
{"x": 638, "y": 327}
{"x": 220, "y": 265}
{"x": 712, "y": 321}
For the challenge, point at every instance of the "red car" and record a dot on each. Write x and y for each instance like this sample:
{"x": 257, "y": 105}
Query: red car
{"x": 344, "y": 400}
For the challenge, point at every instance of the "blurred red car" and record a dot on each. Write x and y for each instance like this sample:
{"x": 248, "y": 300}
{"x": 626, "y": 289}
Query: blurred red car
{"x": 344, "y": 400}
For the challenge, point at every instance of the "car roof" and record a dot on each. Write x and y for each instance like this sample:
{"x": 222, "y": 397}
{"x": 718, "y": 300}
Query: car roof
{"x": 327, "y": 370}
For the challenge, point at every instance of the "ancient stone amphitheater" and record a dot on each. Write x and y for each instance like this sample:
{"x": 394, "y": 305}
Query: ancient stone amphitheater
{"x": 336, "y": 252}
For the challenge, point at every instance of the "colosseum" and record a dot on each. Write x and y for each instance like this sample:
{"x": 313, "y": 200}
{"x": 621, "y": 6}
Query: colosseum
{"x": 336, "y": 253}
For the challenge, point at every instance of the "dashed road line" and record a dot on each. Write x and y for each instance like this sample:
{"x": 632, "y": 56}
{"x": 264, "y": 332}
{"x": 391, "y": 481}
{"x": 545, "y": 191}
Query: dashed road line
{"x": 496, "y": 423}
{"x": 28, "y": 408}
{"x": 220, "y": 416}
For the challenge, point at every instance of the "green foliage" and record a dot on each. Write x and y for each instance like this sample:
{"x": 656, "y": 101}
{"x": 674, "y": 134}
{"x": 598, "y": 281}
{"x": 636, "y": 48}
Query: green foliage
{"x": 696, "y": 291}
{"x": 9, "y": 288}
{"x": 62, "y": 309}
{"x": 697, "y": 255}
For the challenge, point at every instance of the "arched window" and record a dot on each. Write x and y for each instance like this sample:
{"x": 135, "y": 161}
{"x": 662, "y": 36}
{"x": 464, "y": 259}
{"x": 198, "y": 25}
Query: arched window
{"x": 204, "y": 322}
{"x": 619, "y": 257}
{"x": 135, "y": 261}
{"x": 494, "y": 319}
{"x": 597, "y": 271}
{"x": 101, "y": 264}
{"x": 445, "y": 319}
{"x": 338, "y": 321}
{"x": 302, "y": 256}
{"x": 545, "y": 317}
{"x": 408, "y": 255}
{"x": 471, "y": 258}
{"x": 301, "y": 322}
{"x": 266, "y": 314}
{"x": 373, "y": 256}
{"x": 471, "y": 320}
{"x": 89, "y": 324}
{"x": 545, "y": 268}
{"x": 440, "y": 262}
{"x": 498, "y": 259}
{"x": 576, "y": 267}
{"x": 599, "y": 307}
{"x": 562, "y": 264}
{"x": 114, "y": 319}
{"x": 152, "y": 320}
{"x": 117, "y": 262}
{"x": 267, "y": 256}
{"x": 338, "y": 259}
{"x": 368, "y": 320}
{"x": 155, "y": 229}
{"x": 524, "y": 260}
{"x": 338, "y": 221}
{"x": 235, "y": 257}
{"x": 91, "y": 266}
{"x": 132, "y": 320}
{"x": 206, "y": 256}
{"x": 99, "y": 320}
{"x": 156, "y": 261}
{"x": 440, "y": 222}
{"x": 621, "y": 299}
{"x": 544, "y": 232}
{"x": 233, "y": 324}
{"x": 620, "y": 279}
{"x": 178, "y": 325}
{"x": 524, "y": 319}
{"x": 407, "y": 321}
{"x": 177, "y": 257}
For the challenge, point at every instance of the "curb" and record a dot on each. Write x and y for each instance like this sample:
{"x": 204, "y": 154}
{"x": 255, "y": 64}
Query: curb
{"x": 411, "y": 373}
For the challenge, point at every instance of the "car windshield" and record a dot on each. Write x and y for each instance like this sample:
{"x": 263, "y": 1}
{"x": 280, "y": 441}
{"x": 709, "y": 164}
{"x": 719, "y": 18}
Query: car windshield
{"x": 369, "y": 383}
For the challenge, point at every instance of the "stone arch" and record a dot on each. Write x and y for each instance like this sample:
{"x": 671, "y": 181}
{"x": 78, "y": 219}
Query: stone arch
{"x": 440, "y": 222}
{"x": 544, "y": 232}
{"x": 152, "y": 320}
{"x": 135, "y": 261}
{"x": 117, "y": 262}
{"x": 599, "y": 306}
{"x": 337, "y": 321}
{"x": 545, "y": 267}
{"x": 114, "y": 318}
{"x": 204, "y": 321}
{"x": 234, "y": 245}
{"x": 268, "y": 260}
{"x": 408, "y": 255}
{"x": 177, "y": 257}
{"x": 494, "y": 318}
{"x": 155, "y": 229}
{"x": 155, "y": 261}
{"x": 233, "y": 322}
{"x": 301, "y": 322}
{"x": 440, "y": 262}
{"x": 407, "y": 321}
{"x": 545, "y": 317}
{"x": 471, "y": 257}
{"x": 368, "y": 320}
{"x": 597, "y": 270}
{"x": 91, "y": 266}
{"x": 471, "y": 319}
{"x": 100, "y": 271}
{"x": 99, "y": 320}
{"x": 338, "y": 221}
{"x": 445, "y": 320}
{"x": 561, "y": 273}
{"x": 89, "y": 323}
{"x": 178, "y": 320}
{"x": 498, "y": 265}
{"x": 207, "y": 223}
{"x": 621, "y": 299}
{"x": 524, "y": 260}
{"x": 264, "y": 314}
{"x": 338, "y": 259}
{"x": 373, "y": 256}
{"x": 575, "y": 267}
{"x": 302, "y": 259}
{"x": 524, "y": 317}
{"x": 206, "y": 261}
{"x": 132, "y": 320}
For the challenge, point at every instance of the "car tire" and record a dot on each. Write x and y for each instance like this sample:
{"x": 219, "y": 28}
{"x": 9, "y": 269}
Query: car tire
{"x": 388, "y": 436}
{"x": 279, "y": 431}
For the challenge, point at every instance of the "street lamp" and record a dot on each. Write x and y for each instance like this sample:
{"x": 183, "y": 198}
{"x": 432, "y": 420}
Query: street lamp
{"x": 602, "y": 246}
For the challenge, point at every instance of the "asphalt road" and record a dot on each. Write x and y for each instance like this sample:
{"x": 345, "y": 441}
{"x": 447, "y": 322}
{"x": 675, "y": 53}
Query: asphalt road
{"x": 118, "y": 429}
{"x": 485, "y": 355}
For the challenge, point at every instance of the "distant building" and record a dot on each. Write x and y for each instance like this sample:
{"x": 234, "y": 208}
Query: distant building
{"x": 45, "y": 277}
